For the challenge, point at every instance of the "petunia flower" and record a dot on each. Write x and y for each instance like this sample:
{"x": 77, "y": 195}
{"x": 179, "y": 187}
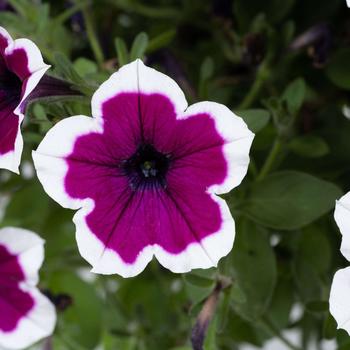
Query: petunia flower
{"x": 21, "y": 68}
{"x": 339, "y": 301}
{"x": 145, "y": 173}
{"x": 26, "y": 315}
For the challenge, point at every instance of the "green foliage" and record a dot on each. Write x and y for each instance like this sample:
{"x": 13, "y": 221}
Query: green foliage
{"x": 254, "y": 270}
{"x": 256, "y": 119}
{"x": 243, "y": 54}
{"x": 338, "y": 69}
{"x": 289, "y": 200}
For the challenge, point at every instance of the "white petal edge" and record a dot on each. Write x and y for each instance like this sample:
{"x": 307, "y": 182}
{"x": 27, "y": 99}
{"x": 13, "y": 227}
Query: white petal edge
{"x": 198, "y": 255}
{"x": 31, "y": 83}
{"x": 35, "y": 59}
{"x": 342, "y": 218}
{"x": 339, "y": 300}
{"x": 39, "y": 323}
{"x": 238, "y": 140}
{"x": 6, "y": 34}
{"x": 136, "y": 77}
{"x": 29, "y": 248}
{"x": 12, "y": 159}
{"x": 51, "y": 168}
{"x": 36, "y": 66}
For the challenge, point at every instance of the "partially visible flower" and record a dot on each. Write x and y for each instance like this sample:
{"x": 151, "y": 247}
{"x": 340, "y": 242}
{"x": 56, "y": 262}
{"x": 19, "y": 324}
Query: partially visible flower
{"x": 339, "y": 301}
{"x": 21, "y": 68}
{"x": 26, "y": 315}
{"x": 145, "y": 172}
{"x": 318, "y": 41}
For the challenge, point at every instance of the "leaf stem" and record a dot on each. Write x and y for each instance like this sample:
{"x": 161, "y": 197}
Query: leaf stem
{"x": 261, "y": 77}
{"x": 94, "y": 43}
{"x": 64, "y": 16}
{"x": 266, "y": 168}
{"x": 275, "y": 331}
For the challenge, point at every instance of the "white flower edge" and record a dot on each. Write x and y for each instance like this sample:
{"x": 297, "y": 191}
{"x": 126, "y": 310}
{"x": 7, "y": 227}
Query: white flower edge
{"x": 41, "y": 320}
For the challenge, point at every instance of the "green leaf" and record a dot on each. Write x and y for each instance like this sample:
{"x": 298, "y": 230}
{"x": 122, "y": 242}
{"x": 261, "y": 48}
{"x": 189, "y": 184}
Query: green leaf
{"x": 317, "y": 306}
{"x": 237, "y": 295}
{"x": 207, "y": 69}
{"x": 256, "y": 119}
{"x": 329, "y": 327}
{"x": 66, "y": 68}
{"x": 84, "y": 66}
{"x": 309, "y": 146}
{"x": 282, "y": 301}
{"x": 199, "y": 284}
{"x": 289, "y": 200}
{"x": 242, "y": 331}
{"x": 82, "y": 321}
{"x": 206, "y": 72}
{"x": 338, "y": 69}
{"x": 161, "y": 40}
{"x": 122, "y": 51}
{"x": 139, "y": 46}
{"x": 19, "y": 211}
{"x": 314, "y": 249}
{"x": 111, "y": 342}
{"x": 199, "y": 281}
{"x": 311, "y": 262}
{"x": 254, "y": 267}
{"x": 210, "y": 339}
{"x": 294, "y": 95}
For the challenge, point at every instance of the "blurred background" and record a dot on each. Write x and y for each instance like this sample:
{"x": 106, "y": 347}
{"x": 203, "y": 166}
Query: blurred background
{"x": 283, "y": 66}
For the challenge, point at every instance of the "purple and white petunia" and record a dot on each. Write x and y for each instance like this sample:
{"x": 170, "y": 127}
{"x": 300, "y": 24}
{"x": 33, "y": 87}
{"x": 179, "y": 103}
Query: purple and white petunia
{"x": 339, "y": 300}
{"x": 26, "y": 315}
{"x": 21, "y": 68}
{"x": 145, "y": 173}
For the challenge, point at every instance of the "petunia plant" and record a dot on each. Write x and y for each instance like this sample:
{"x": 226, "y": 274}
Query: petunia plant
{"x": 182, "y": 162}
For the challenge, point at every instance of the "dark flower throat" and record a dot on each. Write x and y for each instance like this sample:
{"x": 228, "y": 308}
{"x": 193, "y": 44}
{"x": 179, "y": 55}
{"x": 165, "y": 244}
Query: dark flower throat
{"x": 10, "y": 87}
{"x": 147, "y": 168}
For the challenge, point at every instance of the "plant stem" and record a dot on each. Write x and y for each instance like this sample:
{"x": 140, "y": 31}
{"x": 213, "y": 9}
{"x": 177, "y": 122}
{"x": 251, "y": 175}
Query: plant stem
{"x": 64, "y": 16}
{"x": 94, "y": 43}
{"x": 261, "y": 77}
{"x": 266, "y": 168}
{"x": 275, "y": 331}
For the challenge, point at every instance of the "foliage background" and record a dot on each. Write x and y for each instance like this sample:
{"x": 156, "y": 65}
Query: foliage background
{"x": 284, "y": 66}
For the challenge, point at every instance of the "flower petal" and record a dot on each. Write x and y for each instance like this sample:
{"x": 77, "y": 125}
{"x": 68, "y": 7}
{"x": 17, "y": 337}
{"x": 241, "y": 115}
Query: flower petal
{"x": 37, "y": 324}
{"x": 28, "y": 247}
{"x": 27, "y": 315}
{"x": 136, "y": 77}
{"x": 24, "y": 58}
{"x": 339, "y": 301}
{"x": 5, "y": 39}
{"x": 49, "y": 160}
{"x": 120, "y": 234}
{"x": 237, "y": 140}
{"x": 342, "y": 218}
{"x": 11, "y": 144}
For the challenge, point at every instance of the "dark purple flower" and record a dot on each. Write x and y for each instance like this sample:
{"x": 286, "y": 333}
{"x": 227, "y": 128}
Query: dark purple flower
{"x": 26, "y": 315}
{"x": 21, "y": 68}
{"x": 145, "y": 172}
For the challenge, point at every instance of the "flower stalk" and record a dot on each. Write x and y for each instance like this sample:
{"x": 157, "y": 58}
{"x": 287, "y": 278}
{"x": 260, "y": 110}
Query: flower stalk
{"x": 270, "y": 160}
{"x": 90, "y": 30}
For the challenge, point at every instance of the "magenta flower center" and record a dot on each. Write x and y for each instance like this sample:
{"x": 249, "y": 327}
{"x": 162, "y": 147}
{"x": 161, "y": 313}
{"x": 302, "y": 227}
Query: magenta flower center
{"x": 147, "y": 168}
